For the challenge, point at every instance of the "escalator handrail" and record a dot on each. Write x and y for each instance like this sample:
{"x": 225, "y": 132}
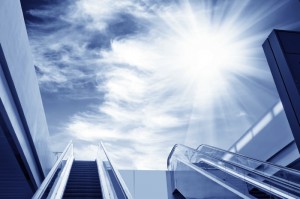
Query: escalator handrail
{"x": 217, "y": 180}
{"x": 235, "y": 154}
{"x": 118, "y": 176}
{"x": 107, "y": 190}
{"x": 261, "y": 174}
{"x": 41, "y": 190}
{"x": 287, "y": 183}
{"x": 250, "y": 171}
{"x": 171, "y": 153}
{"x": 261, "y": 184}
{"x": 253, "y": 159}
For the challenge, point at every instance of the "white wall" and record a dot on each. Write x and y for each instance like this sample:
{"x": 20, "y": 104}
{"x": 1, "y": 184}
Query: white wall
{"x": 146, "y": 184}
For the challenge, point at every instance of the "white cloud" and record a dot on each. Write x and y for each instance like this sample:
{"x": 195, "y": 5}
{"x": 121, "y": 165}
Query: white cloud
{"x": 160, "y": 85}
{"x": 98, "y": 14}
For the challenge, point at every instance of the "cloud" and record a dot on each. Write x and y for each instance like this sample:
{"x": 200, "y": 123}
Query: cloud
{"x": 165, "y": 73}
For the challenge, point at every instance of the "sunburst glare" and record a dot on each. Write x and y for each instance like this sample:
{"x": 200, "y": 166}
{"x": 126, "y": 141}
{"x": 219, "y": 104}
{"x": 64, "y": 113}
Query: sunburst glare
{"x": 148, "y": 74}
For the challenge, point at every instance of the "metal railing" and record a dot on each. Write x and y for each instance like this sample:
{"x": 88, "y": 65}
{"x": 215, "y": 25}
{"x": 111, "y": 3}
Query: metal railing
{"x": 106, "y": 186}
{"x": 109, "y": 189}
{"x": 54, "y": 184}
{"x": 55, "y": 176}
{"x": 266, "y": 178}
{"x": 276, "y": 172}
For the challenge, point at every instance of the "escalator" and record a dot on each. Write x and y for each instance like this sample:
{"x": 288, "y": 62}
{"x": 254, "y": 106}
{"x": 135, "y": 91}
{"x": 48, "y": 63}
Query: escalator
{"x": 205, "y": 172}
{"x": 209, "y": 172}
{"x": 74, "y": 179}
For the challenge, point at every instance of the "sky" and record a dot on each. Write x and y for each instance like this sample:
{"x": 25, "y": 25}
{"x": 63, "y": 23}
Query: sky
{"x": 144, "y": 75}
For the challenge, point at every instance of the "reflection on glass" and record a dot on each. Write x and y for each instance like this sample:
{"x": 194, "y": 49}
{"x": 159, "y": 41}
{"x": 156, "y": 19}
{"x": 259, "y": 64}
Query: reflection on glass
{"x": 228, "y": 173}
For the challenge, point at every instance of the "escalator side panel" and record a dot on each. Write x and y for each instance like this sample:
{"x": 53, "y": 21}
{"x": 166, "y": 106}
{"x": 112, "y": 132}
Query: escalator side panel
{"x": 192, "y": 184}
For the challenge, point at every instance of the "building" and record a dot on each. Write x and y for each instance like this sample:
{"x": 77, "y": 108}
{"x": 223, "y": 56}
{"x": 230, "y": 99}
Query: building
{"x": 25, "y": 156}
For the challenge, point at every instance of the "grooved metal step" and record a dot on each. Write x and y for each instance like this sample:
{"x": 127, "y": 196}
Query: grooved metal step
{"x": 83, "y": 181}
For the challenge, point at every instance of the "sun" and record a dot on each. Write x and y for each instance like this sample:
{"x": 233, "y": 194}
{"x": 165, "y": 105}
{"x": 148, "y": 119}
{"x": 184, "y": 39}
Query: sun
{"x": 205, "y": 58}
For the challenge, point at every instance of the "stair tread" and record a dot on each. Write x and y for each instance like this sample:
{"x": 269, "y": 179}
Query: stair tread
{"x": 83, "y": 181}
{"x": 82, "y": 191}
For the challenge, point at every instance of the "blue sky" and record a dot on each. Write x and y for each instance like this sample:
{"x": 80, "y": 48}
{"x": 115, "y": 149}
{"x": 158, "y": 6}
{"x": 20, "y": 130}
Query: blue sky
{"x": 145, "y": 75}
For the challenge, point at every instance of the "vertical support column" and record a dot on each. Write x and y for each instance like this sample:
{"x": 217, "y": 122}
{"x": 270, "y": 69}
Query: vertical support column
{"x": 282, "y": 50}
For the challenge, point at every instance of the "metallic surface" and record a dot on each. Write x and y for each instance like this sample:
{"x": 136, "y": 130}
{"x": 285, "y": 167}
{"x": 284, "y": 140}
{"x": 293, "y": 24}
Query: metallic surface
{"x": 282, "y": 49}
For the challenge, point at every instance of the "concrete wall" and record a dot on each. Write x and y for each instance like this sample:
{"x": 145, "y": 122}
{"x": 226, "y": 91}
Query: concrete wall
{"x": 19, "y": 91}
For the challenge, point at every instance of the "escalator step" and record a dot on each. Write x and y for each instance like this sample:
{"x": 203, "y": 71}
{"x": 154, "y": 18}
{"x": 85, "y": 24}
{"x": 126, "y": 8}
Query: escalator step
{"x": 83, "y": 181}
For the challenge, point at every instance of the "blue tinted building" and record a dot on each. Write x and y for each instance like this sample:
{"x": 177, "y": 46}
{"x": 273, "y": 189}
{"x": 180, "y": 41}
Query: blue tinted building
{"x": 25, "y": 156}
